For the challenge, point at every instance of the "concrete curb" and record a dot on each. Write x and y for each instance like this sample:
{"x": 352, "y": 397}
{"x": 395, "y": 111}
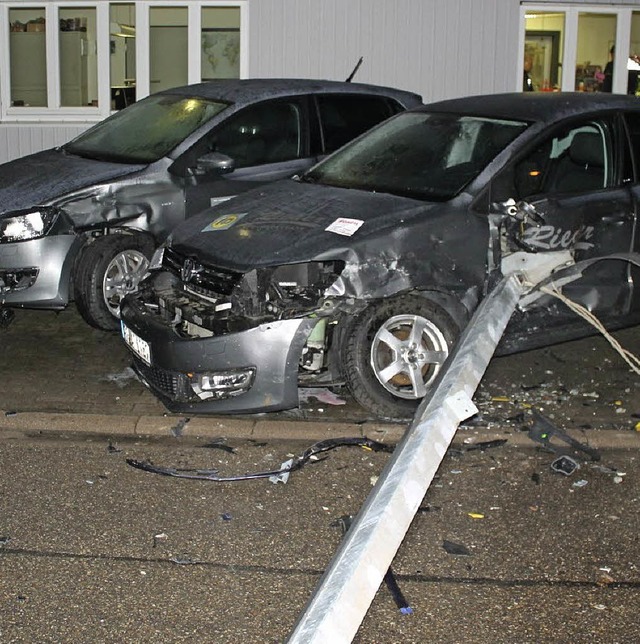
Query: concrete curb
{"x": 272, "y": 429}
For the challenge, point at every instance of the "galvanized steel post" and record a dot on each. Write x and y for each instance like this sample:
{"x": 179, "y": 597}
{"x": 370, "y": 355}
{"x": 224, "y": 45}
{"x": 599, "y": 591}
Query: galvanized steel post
{"x": 347, "y": 588}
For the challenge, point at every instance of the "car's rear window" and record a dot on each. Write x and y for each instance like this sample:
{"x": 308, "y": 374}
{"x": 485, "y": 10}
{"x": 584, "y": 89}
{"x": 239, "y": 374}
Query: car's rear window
{"x": 147, "y": 130}
{"x": 422, "y": 155}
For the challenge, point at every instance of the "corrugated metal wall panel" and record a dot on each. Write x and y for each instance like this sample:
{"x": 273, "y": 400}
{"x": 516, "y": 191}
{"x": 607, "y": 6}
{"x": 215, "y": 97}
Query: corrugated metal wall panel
{"x": 440, "y": 48}
{"x": 17, "y": 140}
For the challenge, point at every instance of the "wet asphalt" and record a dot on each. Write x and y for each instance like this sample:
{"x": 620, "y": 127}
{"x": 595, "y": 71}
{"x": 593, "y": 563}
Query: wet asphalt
{"x": 503, "y": 548}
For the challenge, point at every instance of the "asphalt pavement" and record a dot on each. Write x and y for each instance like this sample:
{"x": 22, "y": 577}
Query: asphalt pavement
{"x": 503, "y": 548}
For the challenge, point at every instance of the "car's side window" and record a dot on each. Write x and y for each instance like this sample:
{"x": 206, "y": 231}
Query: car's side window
{"x": 265, "y": 133}
{"x": 633, "y": 126}
{"x": 577, "y": 159}
{"x": 344, "y": 117}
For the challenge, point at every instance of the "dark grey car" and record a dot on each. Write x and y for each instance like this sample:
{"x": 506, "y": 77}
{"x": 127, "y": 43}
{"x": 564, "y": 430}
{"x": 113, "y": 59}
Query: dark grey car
{"x": 366, "y": 269}
{"x": 80, "y": 221}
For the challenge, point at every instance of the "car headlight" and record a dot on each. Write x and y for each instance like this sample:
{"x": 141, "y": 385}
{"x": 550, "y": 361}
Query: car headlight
{"x": 27, "y": 224}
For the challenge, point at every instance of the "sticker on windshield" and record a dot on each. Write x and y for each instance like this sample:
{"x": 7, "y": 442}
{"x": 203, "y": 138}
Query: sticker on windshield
{"x": 223, "y": 222}
{"x": 344, "y": 226}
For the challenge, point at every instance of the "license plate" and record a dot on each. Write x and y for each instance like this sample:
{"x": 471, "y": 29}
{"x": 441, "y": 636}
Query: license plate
{"x": 139, "y": 346}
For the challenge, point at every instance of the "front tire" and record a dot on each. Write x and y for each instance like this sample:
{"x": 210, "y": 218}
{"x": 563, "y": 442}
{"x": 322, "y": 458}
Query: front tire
{"x": 393, "y": 352}
{"x": 106, "y": 270}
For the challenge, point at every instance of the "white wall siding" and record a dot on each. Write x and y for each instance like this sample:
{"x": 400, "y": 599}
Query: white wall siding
{"x": 439, "y": 48}
{"x": 17, "y": 140}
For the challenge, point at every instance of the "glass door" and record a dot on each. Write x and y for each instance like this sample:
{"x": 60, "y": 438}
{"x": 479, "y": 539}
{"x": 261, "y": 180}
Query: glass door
{"x": 566, "y": 48}
{"x": 543, "y": 50}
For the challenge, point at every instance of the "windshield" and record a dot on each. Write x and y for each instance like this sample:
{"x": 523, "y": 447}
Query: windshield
{"x": 422, "y": 155}
{"x": 145, "y": 131}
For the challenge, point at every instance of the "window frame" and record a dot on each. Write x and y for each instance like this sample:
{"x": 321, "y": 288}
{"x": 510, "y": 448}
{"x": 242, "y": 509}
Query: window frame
{"x": 54, "y": 112}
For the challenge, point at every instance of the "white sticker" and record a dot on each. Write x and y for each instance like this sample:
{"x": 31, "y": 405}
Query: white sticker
{"x": 344, "y": 226}
{"x": 214, "y": 201}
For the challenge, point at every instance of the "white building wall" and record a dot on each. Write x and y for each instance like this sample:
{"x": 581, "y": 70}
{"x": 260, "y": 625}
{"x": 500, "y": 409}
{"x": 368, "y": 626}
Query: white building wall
{"x": 439, "y": 48}
{"x": 20, "y": 139}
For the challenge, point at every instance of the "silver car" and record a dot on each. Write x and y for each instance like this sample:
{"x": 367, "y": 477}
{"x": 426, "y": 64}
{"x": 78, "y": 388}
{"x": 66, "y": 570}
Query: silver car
{"x": 79, "y": 222}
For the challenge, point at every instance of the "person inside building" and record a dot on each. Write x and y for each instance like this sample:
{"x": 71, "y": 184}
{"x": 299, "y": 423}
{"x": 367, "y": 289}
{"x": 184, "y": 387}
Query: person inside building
{"x": 527, "y": 83}
{"x": 607, "y": 83}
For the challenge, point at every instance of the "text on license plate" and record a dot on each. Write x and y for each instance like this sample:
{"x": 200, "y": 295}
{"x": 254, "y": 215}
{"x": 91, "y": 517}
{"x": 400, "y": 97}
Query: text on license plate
{"x": 139, "y": 346}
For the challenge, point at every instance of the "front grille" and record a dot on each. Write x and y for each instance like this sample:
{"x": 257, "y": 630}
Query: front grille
{"x": 210, "y": 280}
{"x": 172, "y": 384}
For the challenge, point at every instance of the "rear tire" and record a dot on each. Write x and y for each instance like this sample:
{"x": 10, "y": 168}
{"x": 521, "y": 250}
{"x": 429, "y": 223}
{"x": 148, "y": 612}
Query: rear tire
{"x": 106, "y": 270}
{"x": 393, "y": 352}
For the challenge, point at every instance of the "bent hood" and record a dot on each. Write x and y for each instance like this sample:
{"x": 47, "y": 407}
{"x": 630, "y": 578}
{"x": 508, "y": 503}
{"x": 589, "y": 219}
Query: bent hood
{"x": 40, "y": 178}
{"x": 289, "y": 222}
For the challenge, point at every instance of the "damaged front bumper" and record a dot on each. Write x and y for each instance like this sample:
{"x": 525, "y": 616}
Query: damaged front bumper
{"x": 36, "y": 273}
{"x": 255, "y": 370}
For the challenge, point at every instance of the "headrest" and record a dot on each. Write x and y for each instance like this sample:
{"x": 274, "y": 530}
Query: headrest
{"x": 587, "y": 149}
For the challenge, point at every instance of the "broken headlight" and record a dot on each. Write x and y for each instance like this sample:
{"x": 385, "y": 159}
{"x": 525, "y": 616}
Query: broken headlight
{"x": 27, "y": 224}
{"x": 282, "y": 291}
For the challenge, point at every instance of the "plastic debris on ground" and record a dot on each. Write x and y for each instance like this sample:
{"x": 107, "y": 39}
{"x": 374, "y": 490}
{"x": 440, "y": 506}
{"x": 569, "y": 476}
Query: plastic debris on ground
{"x": 123, "y": 378}
{"x": 178, "y": 429}
{"x": 543, "y": 431}
{"x": 184, "y": 560}
{"x": 113, "y": 449}
{"x": 285, "y": 470}
{"x": 484, "y": 445}
{"x": 565, "y": 465}
{"x": 344, "y": 522}
{"x": 321, "y": 394}
{"x": 453, "y": 548}
{"x": 221, "y": 444}
{"x": 310, "y": 454}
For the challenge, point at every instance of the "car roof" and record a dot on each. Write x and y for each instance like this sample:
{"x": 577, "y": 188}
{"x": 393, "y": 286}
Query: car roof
{"x": 254, "y": 89}
{"x": 536, "y": 106}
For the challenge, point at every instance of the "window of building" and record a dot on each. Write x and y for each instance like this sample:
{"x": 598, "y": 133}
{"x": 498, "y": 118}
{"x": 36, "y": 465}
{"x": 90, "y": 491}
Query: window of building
{"x": 28, "y": 57}
{"x": 78, "y": 57}
{"x": 122, "y": 54}
{"x": 168, "y": 47}
{"x": 566, "y": 48}
{"x": 83, "y": 59}
{"x": 220, "y": 43}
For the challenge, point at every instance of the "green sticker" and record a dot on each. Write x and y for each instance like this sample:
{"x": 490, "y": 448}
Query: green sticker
{"x": 223, "y": 222}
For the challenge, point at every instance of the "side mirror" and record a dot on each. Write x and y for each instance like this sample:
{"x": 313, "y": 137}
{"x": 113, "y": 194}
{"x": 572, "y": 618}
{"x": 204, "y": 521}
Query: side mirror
{"x": 214, "y": 162}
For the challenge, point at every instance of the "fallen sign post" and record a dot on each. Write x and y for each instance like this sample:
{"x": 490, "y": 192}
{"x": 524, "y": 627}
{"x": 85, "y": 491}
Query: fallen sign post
{"x": 348, "y": 586}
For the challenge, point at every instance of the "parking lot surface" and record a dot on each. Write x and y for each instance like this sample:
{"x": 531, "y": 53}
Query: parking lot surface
{"x": 503, "y": 548}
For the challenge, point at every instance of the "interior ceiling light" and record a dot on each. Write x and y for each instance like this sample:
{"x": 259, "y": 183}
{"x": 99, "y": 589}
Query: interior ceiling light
{"x": 126, "y": 31}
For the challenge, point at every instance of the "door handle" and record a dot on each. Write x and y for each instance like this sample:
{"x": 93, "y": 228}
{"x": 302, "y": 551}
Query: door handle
{"x": 618, "y": 218}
